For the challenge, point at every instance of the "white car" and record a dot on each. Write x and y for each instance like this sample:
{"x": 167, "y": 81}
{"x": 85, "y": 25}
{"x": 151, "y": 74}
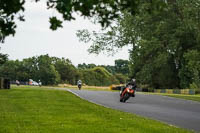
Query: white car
{"x": 34, "y": 83}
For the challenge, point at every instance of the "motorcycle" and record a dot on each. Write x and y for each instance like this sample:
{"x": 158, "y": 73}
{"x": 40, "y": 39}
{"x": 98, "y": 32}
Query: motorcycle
{"x": 79, "y": 86}
{"x": 127, "y": 93}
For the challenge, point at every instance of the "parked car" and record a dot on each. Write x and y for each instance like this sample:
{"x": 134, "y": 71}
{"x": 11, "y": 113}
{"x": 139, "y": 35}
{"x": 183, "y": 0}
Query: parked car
{"x": 31, "y": 82}
{"x": 34, "y": 83}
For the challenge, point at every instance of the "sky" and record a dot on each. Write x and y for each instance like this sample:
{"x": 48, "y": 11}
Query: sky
{"x": 34, "y": 38}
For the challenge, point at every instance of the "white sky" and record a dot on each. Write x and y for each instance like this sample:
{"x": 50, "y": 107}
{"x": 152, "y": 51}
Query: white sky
{"x": 33, "y": 38}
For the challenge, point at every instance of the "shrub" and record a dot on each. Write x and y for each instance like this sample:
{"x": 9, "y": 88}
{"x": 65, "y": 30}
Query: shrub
{"x": 98, "y": 76}
{"x": 194, "y": 86}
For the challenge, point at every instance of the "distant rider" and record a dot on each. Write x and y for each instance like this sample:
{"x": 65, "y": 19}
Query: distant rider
{"x": 79, "y": 83}
{"x": 17, "y": 82}
{"x": 133, "y": 84}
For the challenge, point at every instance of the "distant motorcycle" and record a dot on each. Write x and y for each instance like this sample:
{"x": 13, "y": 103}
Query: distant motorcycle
{"x": 127, "y": 93}
{"x": 79, "y": 86}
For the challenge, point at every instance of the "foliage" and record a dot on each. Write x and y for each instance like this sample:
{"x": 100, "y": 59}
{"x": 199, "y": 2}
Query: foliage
{"x": 36, "y": 68}
{"x": 163, "y": 42}
{"x": 53, "y": 70}
{"x": 9, "y": 10}
{"x": 193, "y": 86}
{"x": 55, "y": 23}
{"x": 104, "y": 11}
{"x": 86, "y": 66}
{"x": 109, "y": 68}
{"x": 121, "y": 78}
{"x": 7, "y": 69}
{"x": 3, "y": 58}
{"x": 121, "y": 66}
{"x": 98, "y": 76}
{"x": 14, "y": 70}
{"x": 68, "y": 73}
{"x": 192, "y": 59}
{"x": 101, "y": 41}
{"x": 46, "y": 71}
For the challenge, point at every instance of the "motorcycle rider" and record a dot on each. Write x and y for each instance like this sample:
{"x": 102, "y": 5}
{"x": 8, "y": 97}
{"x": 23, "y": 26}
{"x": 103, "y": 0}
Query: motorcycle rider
{"x": 79, "y": 83}
{"x": 133, "y": 84}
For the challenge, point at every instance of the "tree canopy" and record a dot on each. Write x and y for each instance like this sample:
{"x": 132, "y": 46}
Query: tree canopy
{"x": 105, "y": 11}
{"x": 165, "y": 43}
{"x": 3, "y": 58}
{"x": 54, "y": 70}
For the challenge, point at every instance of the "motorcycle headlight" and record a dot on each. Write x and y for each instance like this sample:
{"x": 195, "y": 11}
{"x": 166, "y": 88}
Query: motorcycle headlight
{"x": 128, "y": 90}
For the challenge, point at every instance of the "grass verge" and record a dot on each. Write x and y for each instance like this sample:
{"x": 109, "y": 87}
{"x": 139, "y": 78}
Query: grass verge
{"x": 85, "y": 87}
{"x": 35, "y": 110}
{"x": 180, "y": 96}
{"x": 187, "y": 97}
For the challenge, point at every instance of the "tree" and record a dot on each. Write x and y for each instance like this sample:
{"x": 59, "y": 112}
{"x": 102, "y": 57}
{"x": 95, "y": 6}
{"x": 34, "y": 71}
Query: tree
{"x": 160, "y": 41}
{"x": 36, "y": 68}
{"x": 67, "y": 71}
{"x": 109, "y": 68}
{"x": 104, "y": 11}
{"x": 98, "y": 76}
{"x": 46, "y": 71}
{"x": 8, "y": 69}
{"x": 86, "y": 66}
{"x": 121, "y": 66}
{"x": 30, "y": 66}
{"x": 121, "y": 78}
{"x": 9, "y": 10}
{"x": 3, "y": 58}
{"x": 14, "y": 70}
{"x": 193, "y": 68}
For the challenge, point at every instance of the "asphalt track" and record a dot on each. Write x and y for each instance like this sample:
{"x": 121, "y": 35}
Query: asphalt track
{"x": 177, "y": 112}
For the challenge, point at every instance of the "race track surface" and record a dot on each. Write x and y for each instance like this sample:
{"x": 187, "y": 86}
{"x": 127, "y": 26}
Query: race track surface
{"x": 177, "y": 112}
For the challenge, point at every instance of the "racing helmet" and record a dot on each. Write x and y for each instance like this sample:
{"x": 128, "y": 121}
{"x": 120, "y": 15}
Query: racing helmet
{"x": 134, "y": 80}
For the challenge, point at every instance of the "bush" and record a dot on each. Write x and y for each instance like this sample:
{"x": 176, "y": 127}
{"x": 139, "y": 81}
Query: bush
{"x": 194, "y": 86}
{"x": 143, "y": 86}
{"x": 197, "y": 91}
{"x": 98, "y": 76}
{"x": 121, "y": 78}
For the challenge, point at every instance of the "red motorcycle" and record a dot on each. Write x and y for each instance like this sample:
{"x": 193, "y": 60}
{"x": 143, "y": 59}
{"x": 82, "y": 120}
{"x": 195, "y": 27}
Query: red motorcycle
{"x": 127, "y": 93}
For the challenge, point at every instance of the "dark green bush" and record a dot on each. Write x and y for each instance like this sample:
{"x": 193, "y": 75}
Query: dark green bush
{"x": 98, "y": 76}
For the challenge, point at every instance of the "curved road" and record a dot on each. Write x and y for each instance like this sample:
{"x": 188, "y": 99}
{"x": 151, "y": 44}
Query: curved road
{"x": 177, "y": 112}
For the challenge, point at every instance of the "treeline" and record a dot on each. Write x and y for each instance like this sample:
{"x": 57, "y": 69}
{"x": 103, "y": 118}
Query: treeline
{"x": 53, "y": 70}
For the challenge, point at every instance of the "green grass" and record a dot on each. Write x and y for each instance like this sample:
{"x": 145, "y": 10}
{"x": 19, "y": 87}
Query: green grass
{"x": 187, "y": 97}
{"x": 180, "y": 96}
{"x": 85, "y": 87}
{"x": 43, "y": 110}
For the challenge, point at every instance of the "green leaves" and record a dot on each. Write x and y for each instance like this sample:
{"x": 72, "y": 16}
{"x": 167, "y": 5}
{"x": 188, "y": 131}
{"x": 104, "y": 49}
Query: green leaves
{"x": 55, "y": 23}
{"x": 192, "y": 60}
{"x": 98, "y": 76}
{"x": 104, "y": 11}
{"x": 3, "y": 58}
{"x": 9, "y": 9}
{"x": 162, "y": 35}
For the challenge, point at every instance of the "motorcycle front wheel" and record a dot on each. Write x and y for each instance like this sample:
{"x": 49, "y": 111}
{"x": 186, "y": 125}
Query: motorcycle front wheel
{"x": 126, "y": 97}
